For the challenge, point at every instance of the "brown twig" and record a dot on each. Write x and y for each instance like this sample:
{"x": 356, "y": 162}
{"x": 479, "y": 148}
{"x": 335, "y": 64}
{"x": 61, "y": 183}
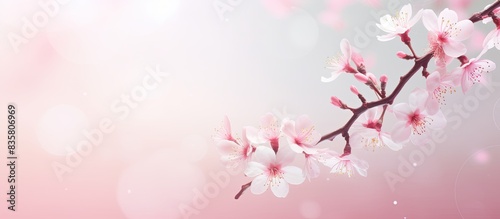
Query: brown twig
{"x": 243, "y": 188}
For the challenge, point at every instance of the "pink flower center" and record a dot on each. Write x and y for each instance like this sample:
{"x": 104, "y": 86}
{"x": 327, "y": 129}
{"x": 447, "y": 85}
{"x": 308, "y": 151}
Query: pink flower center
{"x": 419, "y": 122}
{"x": 275, "y": 170}
{"x": 373, "y": 124}
{"x": 474, "y": 72}
{"x": 343, "y": 167}
{"x": 275, "y": 175}
{"x": 442, "y": 38}
{"x": 440, "y": 91}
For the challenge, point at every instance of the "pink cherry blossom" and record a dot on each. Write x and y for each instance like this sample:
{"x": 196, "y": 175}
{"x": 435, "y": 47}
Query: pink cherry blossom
{"x": 415, "y": 120}
{"x": 474, "y": 71}
{"x": 270, "y": 130}
{"x": 446, "y": 34}
{"x": 235, "y": 153}
{"x": 271, "y": 169}
{"x": 340, "y": 64}
{"x": 367, "y": 133}
{"x": 224, "y": 133}
{"x": 321, "y": 156}
{"x": 269, "y": 127}
{"x": 301, "y": 134}
{"x": 398, "y": 25}
{"x": 347, "y": 164}
{"x": 439, "y": 83}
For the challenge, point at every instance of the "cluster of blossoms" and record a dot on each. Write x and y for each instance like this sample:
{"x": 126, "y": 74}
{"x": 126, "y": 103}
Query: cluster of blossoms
{"x": 263, "y": 153}
{"x": 267, "y": 152}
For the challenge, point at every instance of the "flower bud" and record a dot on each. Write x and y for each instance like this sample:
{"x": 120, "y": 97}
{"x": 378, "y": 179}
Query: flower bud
{"x": 354, "y": 90}
{"x": 361, "y": 78}
{"x": 383, "y": 79}
{"x": 336, "y": 101}
{"x": 401, "y": 55}
{"x": 372, "y": 77}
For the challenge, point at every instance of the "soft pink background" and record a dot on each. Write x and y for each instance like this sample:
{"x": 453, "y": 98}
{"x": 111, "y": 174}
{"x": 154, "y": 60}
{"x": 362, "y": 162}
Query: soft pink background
{"x": 259, "y": 57}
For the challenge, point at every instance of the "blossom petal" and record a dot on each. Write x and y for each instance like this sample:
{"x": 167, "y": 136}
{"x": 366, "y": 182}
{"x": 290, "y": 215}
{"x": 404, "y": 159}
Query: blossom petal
{"x": 296, "y": 148}
{"x": 454, "y": 48}
{"x": 387, "y": 24}
{"x": 433, "y": 81}
{"x": 264, "y": 155}
{"x": 370, "y": 114}
{"x": 432, "y": 106}
{"x": 293, "y": 175}
{"x": 345, "y": 47}
{"x": 386, "y": 37}
{"x": 430, "y": 20}
{"x": 486, "y": 65}
{"x": 259, "y": 185}
{"x": 227, "y": 125}
{"x": 464, "y": 30}
{"x": 406, "y": 11}
{"x": 227, "y": 147}
{"x": 311, "y": 169}
{"x": 303, "y": 125}
{"x": 361, "y": 166}
{"x": 335, "y": 75}
{"x": 487, "y": 43}
{"x": 402, "y": 111}
{"x": 418, "y": 99}
{"x": 386, "y": 138}
{"x": 250, "y": 135}
{"x": 492, "y": 40}
{"x": 446, "y": 17}
{"x": 279, "y": 187}
{"x": 415, "y": 19}
{"x": 309, "y": 150}
{"x": 254, "y": 169}
{"x": 356, "y": 139}
{"x": 285, "y": 155}
{"x": 438, "y": 121}
{"x": 466, "y": 83}
{"x": 288, "y": 128}
{"x": 401, "y": 132}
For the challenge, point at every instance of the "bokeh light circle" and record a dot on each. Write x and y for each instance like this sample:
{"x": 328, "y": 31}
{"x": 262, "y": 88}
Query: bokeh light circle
{"x": 476, "y": 186}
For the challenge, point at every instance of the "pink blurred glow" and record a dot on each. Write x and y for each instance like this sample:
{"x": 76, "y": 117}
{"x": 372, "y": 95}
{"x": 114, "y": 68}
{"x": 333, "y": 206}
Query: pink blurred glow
{"x": 281, "y": 8}
{"x": 482, "y": 157}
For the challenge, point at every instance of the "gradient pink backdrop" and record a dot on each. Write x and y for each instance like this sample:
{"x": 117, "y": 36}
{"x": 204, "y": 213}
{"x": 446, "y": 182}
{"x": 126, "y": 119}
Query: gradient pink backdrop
{"x": 257, "y": 57}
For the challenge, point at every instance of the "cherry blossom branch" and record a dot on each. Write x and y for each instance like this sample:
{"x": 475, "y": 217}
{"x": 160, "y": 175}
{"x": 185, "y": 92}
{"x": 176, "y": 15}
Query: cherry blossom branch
{"x": 488, "y": 12}
{"x": 243, "y": 188}
{"x": 419, "y": 63}
{"x": 270, "y": 163}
